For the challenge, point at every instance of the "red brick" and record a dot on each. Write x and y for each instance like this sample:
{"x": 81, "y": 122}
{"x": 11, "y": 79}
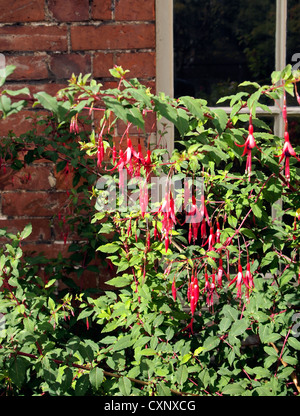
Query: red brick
{"x": 41, "y": 229}
{"x": 63, "y": 180}
{"x": 33, "y": 38}
{"x": 48, "y": 250}
{"x": 135, "y": 10}
{"x": 63, "y": 66}
{"x": 69, "y": 10}
{"x": 33, "y": 204}
{"x": 28, "y": 67}
{"x": 20, "y": 123}
{"x": 102, "y": 63}
{"x": 33, "y": 178}
{"x": 22, "y": 11}
{"x": 109, "y": 37}
{"x": 101, "y": 10}
{"x": 140, "y": 64}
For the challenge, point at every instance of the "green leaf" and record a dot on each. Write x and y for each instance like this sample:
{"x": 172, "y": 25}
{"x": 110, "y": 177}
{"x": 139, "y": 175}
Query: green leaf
{"x": 271, "y": 351}
{"x": 120, "y": 281}
{"x": 239, "y": 327}
{"x": 221, "y": 120}
{"x": 123, "y": 343}
{"x": 124, "y": 386}
{"x": 169, "y": 333}
{"x": 96, "y": 377}
{"x": 5, "y": 104}
{"x": 26, "y": 232}
{"x": 268, "y": 258}
{"x": 51, "y": 304}
{"x": 148, "y": 352}
{"x": 230, "y": 312}
{"x": 17, "y": 370}
{"x": 165, "y": 109}
{"x": 234, "y": 389}
{"x": 140, "y": 95}
{"x": 109, "y": 248}
{"x": 225, "y": 324}
{"x": 85, "y": 313}
{"x": 82, "y": 385}
{"x": 14, "y": 93}
{"x": 163, "y": 390}
{"x": 294, "y": 343}
{"x": 50, "y": 283}
{"x": 285, "y": 372}
{"x": 182, "y": 375}
{"x": 256, "y": 210}
{"x": 114, "y": 105}
{"x": 211, "y": 342}
{"x": 108, "y": 340}
{"x": 134, "y": 116}
{"x": 194, "y": 106}
{"x": 48, "y": 102}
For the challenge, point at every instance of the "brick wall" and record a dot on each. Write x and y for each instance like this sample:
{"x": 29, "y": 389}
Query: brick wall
{"x": 47, "y": 41}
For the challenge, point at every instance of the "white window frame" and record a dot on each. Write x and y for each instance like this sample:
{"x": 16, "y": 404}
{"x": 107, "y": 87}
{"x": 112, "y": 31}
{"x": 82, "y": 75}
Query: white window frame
{"x": 165, "y": 59}
{"x": 165, "y": 65}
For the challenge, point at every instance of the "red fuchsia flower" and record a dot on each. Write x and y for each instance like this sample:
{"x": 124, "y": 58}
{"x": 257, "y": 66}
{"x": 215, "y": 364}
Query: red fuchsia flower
{"x": 195, "y": 220}
{"x": 287, "y": 152}
{"x": 143, "y": 197}
{"x": 174, "y": 290}
{"x": 211, "y": 240}
{"x": 218, "y": 233}
{"x": 239, "y": 279}
{"x": 248, "y": 146}
{"x": 210, "y": 289}
{"x": 248, "y": 280}
{"x": 74, "y": 125}
{"x": 205, "y": 217}
{"x": 221, "y": 271}
{"x": 193, "y": 293}
{"x": 167, "y": 210}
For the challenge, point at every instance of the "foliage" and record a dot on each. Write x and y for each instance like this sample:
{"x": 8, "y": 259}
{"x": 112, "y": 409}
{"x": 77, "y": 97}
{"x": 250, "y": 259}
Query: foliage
{"x": 205, "y": 292}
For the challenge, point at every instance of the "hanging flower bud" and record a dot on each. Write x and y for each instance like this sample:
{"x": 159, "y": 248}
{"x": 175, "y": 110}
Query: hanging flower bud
{"x": 174, "y": 291}
{"x": 286, "y": 153}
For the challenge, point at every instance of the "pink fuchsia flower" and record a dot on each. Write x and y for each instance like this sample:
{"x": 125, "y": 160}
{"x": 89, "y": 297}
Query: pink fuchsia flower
{"x": 248, "y": 146}
{"x": 239, "y": 280}
{"x": 193, "y": 293}
{"x": 144, "y": 198}
{"x": 74, "y": 125}
{"x": 248, "y": 280}
{"x": 286, "y": 153}
{"x": 210, "y": 289}
{"x": 174, "y": 290}
{"x": 211, "y": 240}
{"x": 167, "y": 210}
{"x": 218, "y": 233}
{"x": 220, "y": 273}
{"x": 194, "y": 220}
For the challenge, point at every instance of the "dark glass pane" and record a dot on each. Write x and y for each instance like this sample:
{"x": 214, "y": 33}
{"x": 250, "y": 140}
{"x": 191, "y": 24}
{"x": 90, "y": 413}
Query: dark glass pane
{"x": 219, "y": 44}
{"x": 294, "y": 131}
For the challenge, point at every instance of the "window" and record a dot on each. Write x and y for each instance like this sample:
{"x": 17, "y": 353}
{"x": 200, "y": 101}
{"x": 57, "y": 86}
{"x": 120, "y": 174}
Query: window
{"x": 219, "y": 44}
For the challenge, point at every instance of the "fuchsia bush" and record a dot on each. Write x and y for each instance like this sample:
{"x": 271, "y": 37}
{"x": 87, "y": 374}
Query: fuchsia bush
{"x": 205, "y": 294}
